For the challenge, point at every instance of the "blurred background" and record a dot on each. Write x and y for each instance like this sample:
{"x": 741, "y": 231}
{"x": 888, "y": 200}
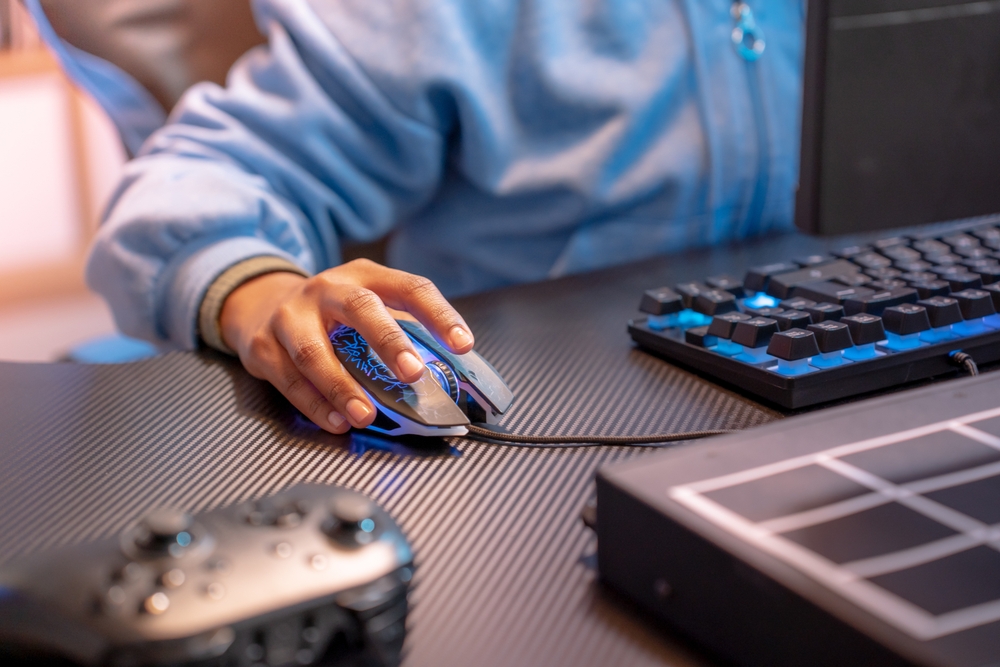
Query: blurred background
{"x": 60, "y": 158}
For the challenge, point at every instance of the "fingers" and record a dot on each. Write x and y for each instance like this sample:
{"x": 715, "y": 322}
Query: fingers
{"x": 307, "y": 345}
{"x": 362, "y": 309}
{"x": 420, "y": 297}
{"x": 280, "y": 371}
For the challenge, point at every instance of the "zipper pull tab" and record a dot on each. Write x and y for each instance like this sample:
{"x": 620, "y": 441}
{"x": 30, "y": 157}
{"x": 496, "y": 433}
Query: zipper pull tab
{"x": 747, "y": 36}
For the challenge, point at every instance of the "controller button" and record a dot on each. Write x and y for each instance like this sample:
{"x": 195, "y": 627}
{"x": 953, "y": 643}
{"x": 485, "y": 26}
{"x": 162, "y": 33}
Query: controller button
{"x": 282, "y": 549}
{"x": 157, "y": 603}
{"x": 318, "y": 562}
{"x": 165, "y": 530}
{"x": 215, "y": 590}
{"x": 173, "y": 578}
{"x": 311, "y": 635}
{"x": 115, "y": 596}
{"x": 304, "y": 656}
{"x": 254, "y": 652}
{"x": 351, "y": 520}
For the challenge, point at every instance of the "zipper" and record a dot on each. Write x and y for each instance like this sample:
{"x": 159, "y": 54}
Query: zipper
{"x": 749, "y": 41}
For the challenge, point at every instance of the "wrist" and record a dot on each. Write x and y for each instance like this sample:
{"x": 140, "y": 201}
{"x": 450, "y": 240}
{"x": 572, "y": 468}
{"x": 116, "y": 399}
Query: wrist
{"x": 252, "y": 303}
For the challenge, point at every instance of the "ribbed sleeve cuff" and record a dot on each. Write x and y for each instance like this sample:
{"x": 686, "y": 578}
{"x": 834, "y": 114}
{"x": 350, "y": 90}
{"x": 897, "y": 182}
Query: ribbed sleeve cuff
{"x": 209, "y": 329}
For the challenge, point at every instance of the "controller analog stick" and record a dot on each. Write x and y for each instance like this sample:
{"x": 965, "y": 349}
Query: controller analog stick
{"x": 165, "y": 531}
{"x": 351, "y": 520}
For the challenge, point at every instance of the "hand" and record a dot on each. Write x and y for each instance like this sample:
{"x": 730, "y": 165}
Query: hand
{"x": 279, "y": 324}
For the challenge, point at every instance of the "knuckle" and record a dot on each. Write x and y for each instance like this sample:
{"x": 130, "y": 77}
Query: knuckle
{"x": 292, "y": 382}
{"x": 417, "y": 287}
{"x": 316, "y": 404}
{"x": 304, "y": 352}
{"x": 362, "y": 263}
{"x": 339, "y": 390}
{"x": 389, "y": 336}
{"x": 360, "y": 300}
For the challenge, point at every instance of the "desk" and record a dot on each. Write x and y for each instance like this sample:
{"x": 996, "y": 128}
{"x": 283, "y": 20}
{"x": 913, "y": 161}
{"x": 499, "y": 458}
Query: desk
{"x": 505, "y": 568}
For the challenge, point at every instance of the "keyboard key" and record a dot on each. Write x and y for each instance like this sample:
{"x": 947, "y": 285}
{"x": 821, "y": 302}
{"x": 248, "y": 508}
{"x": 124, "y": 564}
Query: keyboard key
{"x": 990, "y": 273}
{"x": 714, "y": 302}
{"x": 945, "y": 260}
{"x": 994, "y": 291}
{"x": 689, "y": 291}
{"x": 892, "y": 242}
{"x": 854, "y": 279}
{"x": 887, "y": 284}
{"x": 728, "y": 283}
{"x": 754, "y": 335}
{"x": 987, "y": 234}
{"x": 813, "y": 260}
{"x": 699, "y": 337}
{"x": 823, "y": 312}
{"x": 942, "y": 313}
{"x": 932, "y": 288}
{"x": 974, "y": 253}
{"x": 757, "y": 278}
{"x": 975, "y": 303}
{"x": 871, "y": 260}
{"x": 931, "y": 247}
{"x": 961, "y": 241}
{"x": 866, "y": 330}
{"x": 797, "y": 303}
{"x": 831, "y": 336}
{"x": 883, "y": 273}
{"x": 903, "y": 326}
{"x": 918, "y": 277}
{"x": 661, "y": 301}
{"x": 792, "y": 319}
{"x": 876, "y": 302}
{"x": 963, "y": 281}
{"x": 793, "y": 348}
{"x": 764, "y": 312}
{"x": 782, "y": 284}
{"x": 911, "y": 267}
{"x": 902, "y": 254}
{"x": 851, "y": 251}
{"x": 829, "y": 292}
{"x": 722, "y": 327}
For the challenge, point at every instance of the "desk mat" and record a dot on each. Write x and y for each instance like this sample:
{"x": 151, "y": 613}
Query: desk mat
{"x": 505, "y": 567}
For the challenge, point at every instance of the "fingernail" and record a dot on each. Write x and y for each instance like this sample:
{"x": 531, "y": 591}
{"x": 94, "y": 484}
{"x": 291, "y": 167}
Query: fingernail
{"x": 459, "y": 337}
{"x": 409, "y": 364}
{"x": 336, "y": 419}
{"x": 358, "y": 410}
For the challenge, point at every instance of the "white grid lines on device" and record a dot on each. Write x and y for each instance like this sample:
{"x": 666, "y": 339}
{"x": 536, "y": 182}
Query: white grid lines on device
{"x": 787, "y": 465}
{"x": 849, "y": 578}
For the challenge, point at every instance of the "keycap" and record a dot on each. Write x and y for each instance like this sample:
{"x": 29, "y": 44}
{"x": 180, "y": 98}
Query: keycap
{"x": 887, "y": 284}
{"x": 781, "y": 285}
{"x": 793, "y": 348}
{"x": 823, "y": 312}
{"x": 883, "y": 273}
{"x": 728, "y": 283}
{"x": 699, "y": 337}
{"x": 757, "y": 277}
{"x": 831, "y": 336}
{"x": 793, "y": 345}
{"x": 932, "y": 288}
{"x": 945, "y": 270}
{"x": 901, "y": 254}
{"x": 918, "y": 277}
{"x": 854, "y": 279}
{"x": 986, "y": 233}
{"x": 931, "y": 247}
{"x": 792, "y": 319}
{"x": 974, "y": 252}
{"x": 975, "y": 303}
{"x": 851, "y": 251}
{"x": 876, "y": 302}
{"x": 689, "y": 291}
{"x": 797, "y": 303}
{"x": 871, "y": 260}
{"x": 829, "y": 292}
{"x": 961, "y": 240}
{"x": 865, "y": 329}
{"x": 892, "y": 242}
{"x": 990, "y": 273}
{"x": 722, "y": 325}
{"x": 963, "y": 281}
{"x": 755, "y": 332}
{"x": 764, "y": 312}
{"x": 714, "y": 302}
{"x": 944, "y": 260}
{"x": 661, "y": 301}
{"x": 812, "y": 260}
{"x": 908, "y": 318}
{"x": 942, "y": 311}
{"x": 910, "y": 267}
{"x": 994, "y": 291}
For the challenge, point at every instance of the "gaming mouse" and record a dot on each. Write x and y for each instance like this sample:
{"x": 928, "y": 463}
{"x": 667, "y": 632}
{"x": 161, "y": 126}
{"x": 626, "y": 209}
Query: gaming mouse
{"x": 458, "y": 389}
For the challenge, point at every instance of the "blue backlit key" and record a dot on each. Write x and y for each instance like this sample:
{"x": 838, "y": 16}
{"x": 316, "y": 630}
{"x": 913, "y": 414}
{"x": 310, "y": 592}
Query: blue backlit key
{"x": 754, "y": 335}
{"x": 792, "y": 319}
{"x": 714, "y": 302}
{"x": 866, "y": 330}
{"x": 903, "y": 326}
{"x": 994, "y": 291}
{"x": 721, "y": 328}
{"x": 976, "y": 305}
{"x": 793, "y": 348}
{"x": 942, "y": 312}
{"x": 822, "y": 312}
{"x": 662, "y": 305}
{"x": 832, "y": 338}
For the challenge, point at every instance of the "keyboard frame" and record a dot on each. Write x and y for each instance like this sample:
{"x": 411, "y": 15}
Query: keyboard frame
{"x": 823, "y": 385}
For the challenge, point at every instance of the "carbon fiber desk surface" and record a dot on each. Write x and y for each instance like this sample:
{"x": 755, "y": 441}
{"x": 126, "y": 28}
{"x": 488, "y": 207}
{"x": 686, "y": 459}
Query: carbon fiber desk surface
{"x": 505, "y": 568}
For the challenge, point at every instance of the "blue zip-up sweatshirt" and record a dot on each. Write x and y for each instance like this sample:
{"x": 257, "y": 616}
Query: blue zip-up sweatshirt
{"x": 500, "y": 140}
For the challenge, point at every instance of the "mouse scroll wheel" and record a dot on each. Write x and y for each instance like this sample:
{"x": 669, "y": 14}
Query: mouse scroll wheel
{"x": 445, "y": 377}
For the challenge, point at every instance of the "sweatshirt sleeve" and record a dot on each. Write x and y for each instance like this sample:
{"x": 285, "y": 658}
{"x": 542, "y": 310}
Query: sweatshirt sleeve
{"x": 300, "y": 151}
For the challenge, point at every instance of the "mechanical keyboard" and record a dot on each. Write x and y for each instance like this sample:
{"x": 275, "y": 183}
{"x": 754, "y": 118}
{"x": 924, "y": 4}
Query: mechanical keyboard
{"x": 828, "y": 326}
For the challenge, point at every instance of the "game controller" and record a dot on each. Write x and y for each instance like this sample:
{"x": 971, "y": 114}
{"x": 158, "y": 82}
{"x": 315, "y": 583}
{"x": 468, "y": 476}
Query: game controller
{"x": 456, "y": 390}
{"x": 313, "y": 575}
